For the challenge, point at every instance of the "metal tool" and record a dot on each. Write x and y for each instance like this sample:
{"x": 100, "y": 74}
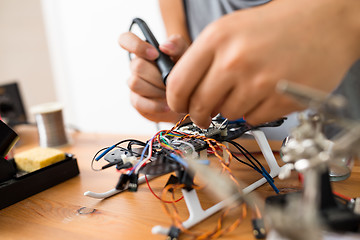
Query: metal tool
{"x": 306, "y": 214}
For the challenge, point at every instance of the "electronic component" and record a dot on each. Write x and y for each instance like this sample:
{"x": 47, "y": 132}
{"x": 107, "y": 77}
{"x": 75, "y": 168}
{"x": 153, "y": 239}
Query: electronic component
{"x": 133, "y": 182}
{"x": 162, "y": 164}
{"x": 118, "y": 163}
{"x": 123, "y": 182}
{"x": 124, "y": 166}
{"x": 121, "y": 157}
{"x": 174, "y": 233}
{"x": 258, "y": 228}
{"x": 186, "y": 178}
{"x": 357, "y": 206}
{"x": 172, "y": 151}
{"x": 115, "y": 156}
{"x": 187, "y": 145}
{"x": 172, "y": 180}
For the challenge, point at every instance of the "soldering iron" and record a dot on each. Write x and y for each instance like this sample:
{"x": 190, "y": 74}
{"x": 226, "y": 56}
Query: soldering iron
{"x": 164, "y": 62}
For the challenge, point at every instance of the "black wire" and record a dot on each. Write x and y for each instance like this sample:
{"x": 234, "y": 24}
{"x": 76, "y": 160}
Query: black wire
{"x": 116, "y": 145}
{"x": 140, "y": 143}
{"x": 127, "y": 140}
{"x": 262, "y": 171}
{"x": 243, "y": 153}
{"x": 243, "y": 162}
{"x": 247, "y": 152}
{"x": 92, "y": 161}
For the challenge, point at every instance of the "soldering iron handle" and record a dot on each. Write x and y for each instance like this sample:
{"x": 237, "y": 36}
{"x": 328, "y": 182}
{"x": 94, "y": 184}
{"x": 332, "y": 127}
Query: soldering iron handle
{"x": 164, "y": 62}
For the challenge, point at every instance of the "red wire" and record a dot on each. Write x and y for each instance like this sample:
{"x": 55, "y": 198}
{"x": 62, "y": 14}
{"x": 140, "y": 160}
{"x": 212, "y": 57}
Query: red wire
{"x": 342, "y": 196}
{"x": 147, "y": 182}
{"x": 301, "y": 178}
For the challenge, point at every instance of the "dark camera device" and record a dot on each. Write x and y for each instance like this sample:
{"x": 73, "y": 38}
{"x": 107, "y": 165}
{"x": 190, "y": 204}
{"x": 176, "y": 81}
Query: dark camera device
{"x": 164, "y": 62}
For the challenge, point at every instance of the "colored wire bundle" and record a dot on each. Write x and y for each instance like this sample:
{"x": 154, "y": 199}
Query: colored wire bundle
{"x": 177, "y": 146}
{"x": 213, "y": 145}
{"x": 218, "y": 149}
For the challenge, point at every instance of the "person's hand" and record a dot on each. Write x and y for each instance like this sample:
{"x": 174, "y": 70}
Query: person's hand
{"x": 148, "y": 94}
{"x": 234, "y": 65}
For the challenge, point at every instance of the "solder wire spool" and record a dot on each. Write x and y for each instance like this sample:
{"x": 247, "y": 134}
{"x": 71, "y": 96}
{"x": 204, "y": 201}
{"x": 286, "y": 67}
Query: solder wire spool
{"x": 50, "y": 124}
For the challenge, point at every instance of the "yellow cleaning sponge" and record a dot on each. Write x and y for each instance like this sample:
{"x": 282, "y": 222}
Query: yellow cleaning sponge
{"x": 36, "y": 158}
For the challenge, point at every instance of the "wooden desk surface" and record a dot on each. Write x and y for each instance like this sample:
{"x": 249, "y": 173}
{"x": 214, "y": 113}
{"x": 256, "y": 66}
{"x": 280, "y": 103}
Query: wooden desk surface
{"x": 53, "y": 214}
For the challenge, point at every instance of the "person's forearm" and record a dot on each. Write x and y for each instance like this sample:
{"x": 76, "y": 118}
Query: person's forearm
{"x": 351, "y": 11}
{"x": 344, "y": 28}
{"x": 172, "y": 12}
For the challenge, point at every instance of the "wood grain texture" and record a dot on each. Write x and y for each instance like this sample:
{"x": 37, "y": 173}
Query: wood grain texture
{"x": 53, "y": 214}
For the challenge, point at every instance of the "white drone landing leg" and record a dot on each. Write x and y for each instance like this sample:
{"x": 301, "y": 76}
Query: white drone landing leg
{"x": 115, "y": 191}
{"x": 196, "y": 212}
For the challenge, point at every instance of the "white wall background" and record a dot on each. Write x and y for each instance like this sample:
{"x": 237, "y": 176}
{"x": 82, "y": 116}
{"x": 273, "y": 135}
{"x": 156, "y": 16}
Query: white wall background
{"x": 90, "y": 69}
{"x": 24, "y": 55}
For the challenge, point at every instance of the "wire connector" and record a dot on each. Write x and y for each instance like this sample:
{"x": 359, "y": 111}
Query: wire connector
{"x": 357, "y": 206}
{"x": 133, "y": 182}
{"x": 123, "y": 182}
{"x": 174, "y": 233}
{"x": 258, "y": 228}
{"x": 124, "y": 166}
{"x": 187, "y": 179}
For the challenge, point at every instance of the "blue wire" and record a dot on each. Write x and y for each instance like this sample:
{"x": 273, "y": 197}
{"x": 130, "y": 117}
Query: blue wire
{"x": 203, "y": 161}
{"x": 179, "y": 159}
{"x": 184, "y": 163}
{"x": 270, "y": 180}
{"x": 265, "y": 172}
{"x": 142, "y": 155}
{"x": 241, "y": 120}
{"x": 105, "y": 152}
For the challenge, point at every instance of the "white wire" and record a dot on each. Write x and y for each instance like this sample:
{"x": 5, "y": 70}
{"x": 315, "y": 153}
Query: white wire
{"x": 223, "y": 123}
{"x": 166, "y": 139}
{"x": 186, "y": 143}
{"x": 147, "y": 158}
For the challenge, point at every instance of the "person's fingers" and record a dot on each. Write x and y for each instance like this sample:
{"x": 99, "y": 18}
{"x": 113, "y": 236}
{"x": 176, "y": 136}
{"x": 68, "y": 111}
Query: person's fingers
{"x": 137, "y": 46}
{"x": 175, "y": 46}
{"x": 144, "y": 88}
{"x": 147, "y": 71}
{"x": 209, "y": 95}
{"x": 244, "y": 98}
{"x": 171, "y": 117}
{"x": 148, "y": 105}
{"x": 186, "y": 75}
{"x": 271, "y": 108}
{"x": 153, "y": 109}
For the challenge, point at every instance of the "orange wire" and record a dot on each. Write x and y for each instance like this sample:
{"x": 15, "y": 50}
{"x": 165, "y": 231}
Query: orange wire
{"x": 217, "y": 232}
{"x": 148, "y": 184}
{"x": 216, "y": 147}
